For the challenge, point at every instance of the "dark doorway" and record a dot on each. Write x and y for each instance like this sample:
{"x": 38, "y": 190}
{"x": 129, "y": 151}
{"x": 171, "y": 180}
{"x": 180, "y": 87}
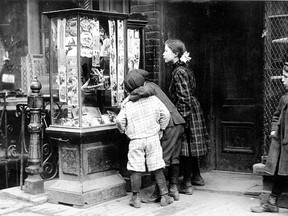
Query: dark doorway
{"x": 224, "y": 39}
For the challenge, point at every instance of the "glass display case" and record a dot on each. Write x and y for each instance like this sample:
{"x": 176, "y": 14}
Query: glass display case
{"x": 136, "y": 41}
{"x": 87, "y": 66}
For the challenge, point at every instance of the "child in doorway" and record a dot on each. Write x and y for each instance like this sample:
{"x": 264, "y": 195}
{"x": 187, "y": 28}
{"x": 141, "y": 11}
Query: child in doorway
{"x": 143, "y": 122}
{"x": 276, "y": 163}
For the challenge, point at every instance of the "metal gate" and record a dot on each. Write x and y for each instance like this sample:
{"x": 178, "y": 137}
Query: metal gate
{"x": 14, "y": 142}
{"x": 275, "y": 37}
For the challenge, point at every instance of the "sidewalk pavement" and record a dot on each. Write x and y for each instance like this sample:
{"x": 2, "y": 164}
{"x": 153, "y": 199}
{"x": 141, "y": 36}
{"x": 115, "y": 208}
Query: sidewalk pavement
{"x": 224, "y": 194}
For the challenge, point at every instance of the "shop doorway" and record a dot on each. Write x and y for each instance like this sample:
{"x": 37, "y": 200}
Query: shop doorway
{"x": 224, "y": 39}
{"x": 236, "y": 82}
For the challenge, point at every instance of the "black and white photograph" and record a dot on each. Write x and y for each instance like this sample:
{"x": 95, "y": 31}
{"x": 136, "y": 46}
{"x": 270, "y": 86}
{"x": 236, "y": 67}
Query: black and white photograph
{"x": 143, "y": 107}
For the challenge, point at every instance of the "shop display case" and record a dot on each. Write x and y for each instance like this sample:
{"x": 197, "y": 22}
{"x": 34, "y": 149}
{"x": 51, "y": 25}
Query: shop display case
{"x": 136, "y": 41}
{"x": 87, "y": 64}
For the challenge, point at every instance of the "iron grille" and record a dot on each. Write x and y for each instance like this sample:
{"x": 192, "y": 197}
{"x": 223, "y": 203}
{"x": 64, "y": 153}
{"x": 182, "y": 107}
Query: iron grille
{"x": 276, "y": 53}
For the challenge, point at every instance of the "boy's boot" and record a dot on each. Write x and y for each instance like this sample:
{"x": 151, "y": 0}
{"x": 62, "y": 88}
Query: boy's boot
{"x": 186, "y": 186}
{"x": 196, "y": 177}
{"x": 136, "y": 178}
{"x": 270, "y": 206}
{"x": 173, "y": 181}
{"x": 155, "y": 197}
{"x": 161, "y": 182}
{"x": 135, "y": 200}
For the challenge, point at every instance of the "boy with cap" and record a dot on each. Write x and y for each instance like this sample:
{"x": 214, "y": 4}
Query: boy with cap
{"x": 143, "y": 122}
{"x": 276, "y": 163}
{"x": 171, "y": 140}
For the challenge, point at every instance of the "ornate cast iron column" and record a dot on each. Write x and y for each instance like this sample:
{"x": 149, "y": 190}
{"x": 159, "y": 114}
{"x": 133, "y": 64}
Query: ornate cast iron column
{"x": 34, "y": 184}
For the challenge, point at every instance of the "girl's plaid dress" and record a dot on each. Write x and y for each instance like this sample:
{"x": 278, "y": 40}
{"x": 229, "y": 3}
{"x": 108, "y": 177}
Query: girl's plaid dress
{"x": 196, "y": 140}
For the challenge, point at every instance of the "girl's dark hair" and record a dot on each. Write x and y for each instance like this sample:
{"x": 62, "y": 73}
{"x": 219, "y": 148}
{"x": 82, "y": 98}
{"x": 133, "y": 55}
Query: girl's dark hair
{"x": 177, "y": 46}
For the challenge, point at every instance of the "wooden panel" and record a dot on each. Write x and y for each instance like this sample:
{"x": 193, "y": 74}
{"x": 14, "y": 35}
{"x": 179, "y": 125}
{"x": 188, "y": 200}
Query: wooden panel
{"x": 70, "y": 161}
{"x": 99, "y": 158}
{"x": 237, "y": 137}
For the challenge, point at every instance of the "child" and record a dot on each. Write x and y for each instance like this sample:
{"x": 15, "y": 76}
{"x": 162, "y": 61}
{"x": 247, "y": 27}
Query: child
{"x": 171, "y": 140}
{"x": 182, "y": 92}
{"x": 276, "y": 163}
{"x": 143, "y": 122}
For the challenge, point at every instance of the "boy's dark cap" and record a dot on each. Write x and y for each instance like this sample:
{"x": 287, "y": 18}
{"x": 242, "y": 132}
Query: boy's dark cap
{"x": 144, "y": 73}
{"x": 133, "y": 80}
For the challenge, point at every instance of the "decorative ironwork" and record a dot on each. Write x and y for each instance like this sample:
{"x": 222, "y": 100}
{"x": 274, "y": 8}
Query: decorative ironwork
{"x": 50, "y": 162}
{"x": 3, "y": 123}
{"x": 21, "y": 110}
{"x": 49, "y": 151}
{"x": 9, "y": 152}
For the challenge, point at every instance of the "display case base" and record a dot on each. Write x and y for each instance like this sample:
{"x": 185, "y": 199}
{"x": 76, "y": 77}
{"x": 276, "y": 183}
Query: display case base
{"x": 81, "y": 194}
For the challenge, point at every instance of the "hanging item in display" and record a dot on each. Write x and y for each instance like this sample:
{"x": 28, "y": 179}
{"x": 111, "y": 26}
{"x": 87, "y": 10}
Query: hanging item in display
{"x": 121, "y": 53}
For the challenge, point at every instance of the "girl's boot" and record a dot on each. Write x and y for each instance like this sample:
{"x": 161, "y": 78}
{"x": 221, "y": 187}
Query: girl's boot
{"x": 196, "y": 177}
{"x": 186, "y": 186}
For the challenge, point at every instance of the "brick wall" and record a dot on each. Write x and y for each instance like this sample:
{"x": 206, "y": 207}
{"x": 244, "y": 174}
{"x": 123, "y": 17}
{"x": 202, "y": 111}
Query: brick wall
{"x": 153, "y": 41}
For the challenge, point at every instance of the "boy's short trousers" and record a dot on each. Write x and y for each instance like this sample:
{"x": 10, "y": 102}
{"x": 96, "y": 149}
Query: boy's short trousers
{"x": 147, "y": 150}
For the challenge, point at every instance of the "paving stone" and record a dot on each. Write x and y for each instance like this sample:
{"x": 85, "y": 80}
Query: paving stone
{"x": 222, "y": 195}
{"x": 25, "y": 214}
{"x": 11, "y": 205}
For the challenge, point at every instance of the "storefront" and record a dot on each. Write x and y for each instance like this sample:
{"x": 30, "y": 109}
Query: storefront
{"x": 226, "y": 41}
{"x": 86, "y": 61}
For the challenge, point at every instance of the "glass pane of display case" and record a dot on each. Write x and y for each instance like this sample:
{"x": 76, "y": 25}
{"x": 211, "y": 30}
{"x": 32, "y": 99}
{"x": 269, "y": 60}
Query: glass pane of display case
{"x": 135, "y": 41}
{"x": 87, "y": 65}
